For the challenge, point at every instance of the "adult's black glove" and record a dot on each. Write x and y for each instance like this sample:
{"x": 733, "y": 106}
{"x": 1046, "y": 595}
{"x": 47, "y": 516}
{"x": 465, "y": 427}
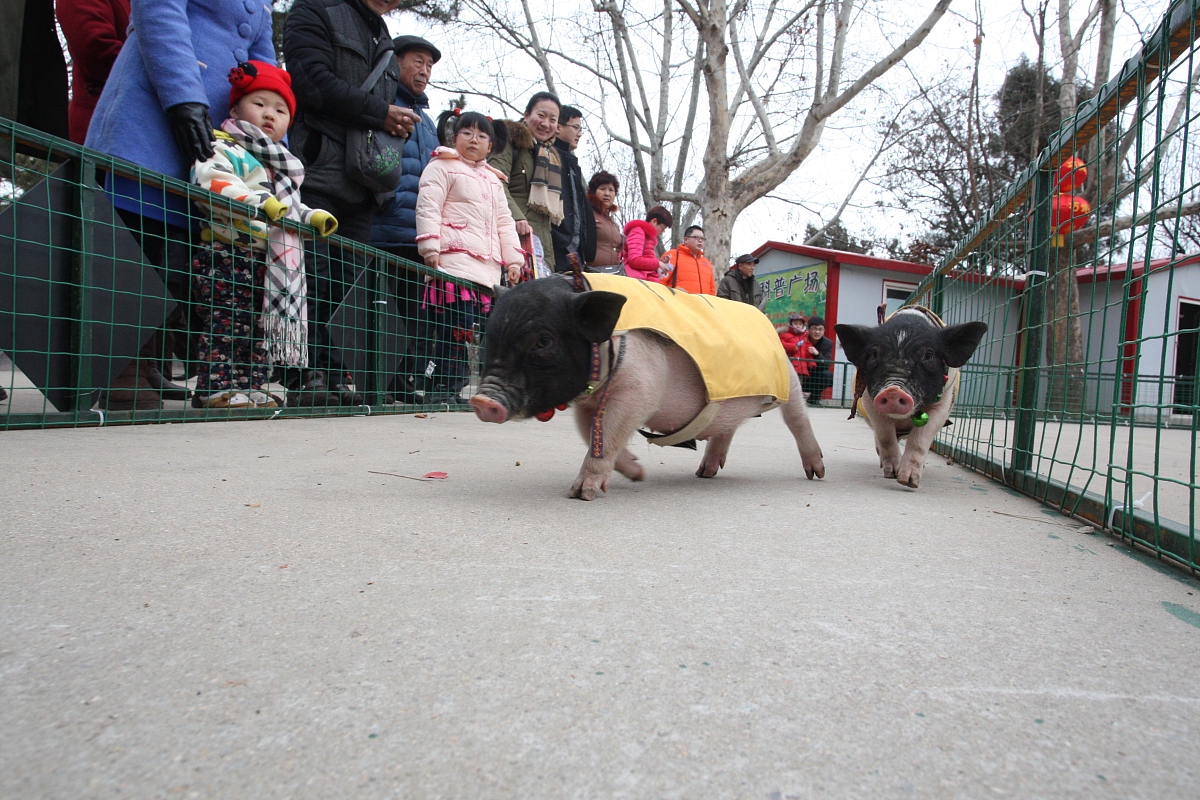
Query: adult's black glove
{"x": 192, "y": 130}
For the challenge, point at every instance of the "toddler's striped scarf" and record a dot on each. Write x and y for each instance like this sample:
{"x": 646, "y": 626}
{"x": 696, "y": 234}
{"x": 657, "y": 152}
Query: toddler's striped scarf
{"x": 545, "y": 187}
{"x": 285, "y": 311}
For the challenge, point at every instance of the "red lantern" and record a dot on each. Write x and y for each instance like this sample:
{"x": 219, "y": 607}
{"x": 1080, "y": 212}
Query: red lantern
{"x": 1069, "y": 212}
{"x": 1071, "y": 175}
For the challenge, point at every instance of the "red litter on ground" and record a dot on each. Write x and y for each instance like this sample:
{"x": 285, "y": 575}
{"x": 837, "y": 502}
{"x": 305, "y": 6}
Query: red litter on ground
{"x": 437, "y": 476}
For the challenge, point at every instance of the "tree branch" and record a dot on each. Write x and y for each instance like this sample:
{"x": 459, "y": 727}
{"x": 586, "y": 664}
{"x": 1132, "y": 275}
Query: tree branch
{"x": 1118, "y": 224}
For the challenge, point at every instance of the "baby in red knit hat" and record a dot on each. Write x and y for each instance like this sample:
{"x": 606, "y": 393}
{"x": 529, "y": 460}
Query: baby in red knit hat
{"x": 248, "y": 278}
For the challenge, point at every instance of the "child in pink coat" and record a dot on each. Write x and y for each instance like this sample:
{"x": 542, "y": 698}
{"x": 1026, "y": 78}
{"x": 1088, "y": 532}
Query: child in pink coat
{"x": 466, "y": 231}
{"x": 641, "y": 241}
{"x": 464, "y": 227}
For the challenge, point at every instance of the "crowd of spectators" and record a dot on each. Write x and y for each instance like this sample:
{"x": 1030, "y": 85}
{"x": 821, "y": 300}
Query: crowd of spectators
{"x": 194, "y": 90}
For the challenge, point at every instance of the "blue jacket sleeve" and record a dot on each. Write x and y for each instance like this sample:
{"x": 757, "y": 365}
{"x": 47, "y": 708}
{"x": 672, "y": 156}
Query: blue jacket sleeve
{"x": 165, "y": 37}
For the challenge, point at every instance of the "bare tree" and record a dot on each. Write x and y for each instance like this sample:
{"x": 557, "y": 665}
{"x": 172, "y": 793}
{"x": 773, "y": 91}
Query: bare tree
{"x": 1064, "y": 333}
{"x": 771, "y": 75}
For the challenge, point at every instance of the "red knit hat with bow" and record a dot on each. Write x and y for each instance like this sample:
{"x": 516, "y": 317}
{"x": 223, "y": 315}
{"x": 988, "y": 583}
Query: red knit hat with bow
{"x": 250, "y": 76}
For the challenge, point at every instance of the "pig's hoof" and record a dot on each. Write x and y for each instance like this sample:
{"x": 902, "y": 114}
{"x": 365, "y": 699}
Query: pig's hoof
{"x": 706, "y": 472}
{"x": 910, "y": 478}
{"x": 816, "y": 470}
{"x": 627, "y": 464}
{"x": 889, "y": 468}
{"x": 909, "y": 473}
{"x": 589, "y": 487}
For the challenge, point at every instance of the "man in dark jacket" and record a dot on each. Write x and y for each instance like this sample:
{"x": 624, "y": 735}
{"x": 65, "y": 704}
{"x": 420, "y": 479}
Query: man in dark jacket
{"x": 818, "y": 350}
{"x": 331, "y": 47}
{"x": 395, "y": 226}
{"x": 576, "y": 234}
{"x": 739, "y": 284}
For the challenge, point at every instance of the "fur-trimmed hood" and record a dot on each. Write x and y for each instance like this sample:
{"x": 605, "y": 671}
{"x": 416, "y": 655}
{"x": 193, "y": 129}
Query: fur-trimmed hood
{"x": 519, "y": 136}
{"x": 646, "y": 226}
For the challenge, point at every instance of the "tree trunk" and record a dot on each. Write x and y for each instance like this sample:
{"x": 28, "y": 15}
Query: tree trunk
{"x": 1064, "y": 345}
{"x": 718, "y": 236}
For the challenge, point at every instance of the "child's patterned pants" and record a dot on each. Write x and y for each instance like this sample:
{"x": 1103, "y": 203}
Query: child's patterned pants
{"x": 232, "y": 354}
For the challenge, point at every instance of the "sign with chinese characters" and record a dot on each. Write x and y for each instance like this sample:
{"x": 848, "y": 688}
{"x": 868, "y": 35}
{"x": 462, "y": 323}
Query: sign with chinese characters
{"x": 801, "y": 289}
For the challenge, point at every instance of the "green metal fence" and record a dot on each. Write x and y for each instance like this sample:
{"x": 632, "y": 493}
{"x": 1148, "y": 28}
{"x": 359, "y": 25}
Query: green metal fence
{"x": 98, "y": 305}
{"x": 1084, "y": 392}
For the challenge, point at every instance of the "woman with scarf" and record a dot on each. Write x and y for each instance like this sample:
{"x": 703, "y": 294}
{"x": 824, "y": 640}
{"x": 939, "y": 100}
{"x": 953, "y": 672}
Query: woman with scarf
{"x": 534, "y": 171}
{"x": 244, "y": 259}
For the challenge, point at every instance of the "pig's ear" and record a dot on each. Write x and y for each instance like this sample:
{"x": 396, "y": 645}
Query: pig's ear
{"x": 959, "y": 341}
{"x": 498, "y": 290}
{"x": 854, "y": 340}
{"x": 597, "y": 314}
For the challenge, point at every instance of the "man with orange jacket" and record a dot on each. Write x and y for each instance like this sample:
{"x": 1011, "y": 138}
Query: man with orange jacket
{"x": 688, "y": 268}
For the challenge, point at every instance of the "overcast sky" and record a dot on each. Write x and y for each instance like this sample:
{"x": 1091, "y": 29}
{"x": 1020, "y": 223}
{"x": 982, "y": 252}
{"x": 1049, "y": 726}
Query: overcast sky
{"x": 849, "y": 142}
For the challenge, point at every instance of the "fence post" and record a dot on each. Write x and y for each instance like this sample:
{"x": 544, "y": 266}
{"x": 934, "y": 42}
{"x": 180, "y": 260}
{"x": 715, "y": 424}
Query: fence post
{"x": 82, "y": 280}
{"x": 1030, "y": 358}
{"x": 376, "y": 308}
{"x": 937, "y": 297}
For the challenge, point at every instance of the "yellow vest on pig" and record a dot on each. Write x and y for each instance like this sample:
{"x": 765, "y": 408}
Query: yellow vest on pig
{"x": 733, "y": 344}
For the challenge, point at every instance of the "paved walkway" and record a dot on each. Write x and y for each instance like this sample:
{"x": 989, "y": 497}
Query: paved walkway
{"x": 251, "y": 610}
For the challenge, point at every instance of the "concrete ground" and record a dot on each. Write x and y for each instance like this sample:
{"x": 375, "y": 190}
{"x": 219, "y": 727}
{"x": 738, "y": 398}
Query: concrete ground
{"x": 252, "y": 610}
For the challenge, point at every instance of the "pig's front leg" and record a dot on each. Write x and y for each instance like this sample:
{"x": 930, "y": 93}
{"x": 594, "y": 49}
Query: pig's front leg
{"x": 619, "y": 425}
{"x": 635, "y": 394}
{"x": 625, "y": 463}
{"x": 795, "y": 416}
{"x": 919, "y": 442}
{"x": 887, "y": 446}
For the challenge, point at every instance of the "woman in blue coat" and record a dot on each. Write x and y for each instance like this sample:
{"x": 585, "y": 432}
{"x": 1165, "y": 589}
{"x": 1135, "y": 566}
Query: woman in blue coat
{"x": 169, "y": 88}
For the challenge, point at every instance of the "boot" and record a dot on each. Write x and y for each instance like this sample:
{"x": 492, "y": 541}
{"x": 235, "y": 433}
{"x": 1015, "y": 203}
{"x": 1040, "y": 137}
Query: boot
{"x": 442, "y": 395}
{"x": 166, "y": 389}
{"x": 313, "y": 391}
{"x": 131, "y": 391}
{"x": 403, "y": 391}
{"x": 346, "y": 395}
{"x": 3, "y": 394}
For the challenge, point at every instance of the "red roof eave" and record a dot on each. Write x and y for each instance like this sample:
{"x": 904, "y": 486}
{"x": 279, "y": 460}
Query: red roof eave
{"x": 843, "y": 257}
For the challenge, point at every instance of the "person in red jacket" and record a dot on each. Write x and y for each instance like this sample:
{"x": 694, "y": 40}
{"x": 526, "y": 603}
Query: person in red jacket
{"x": 795, "y": 343}
{"x": 641, "y": 241}
{"x": 689, "y": 269}
{"x": 95, "y": 33}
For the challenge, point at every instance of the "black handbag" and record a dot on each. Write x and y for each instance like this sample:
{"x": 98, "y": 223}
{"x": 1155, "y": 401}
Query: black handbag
{"x": 373, "y": 157}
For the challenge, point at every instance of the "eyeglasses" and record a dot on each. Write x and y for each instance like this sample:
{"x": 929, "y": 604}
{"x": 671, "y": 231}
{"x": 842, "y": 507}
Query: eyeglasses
{"x": 694, "y": 237}
{"x": 473, "y": 135}
{"x": 576, "y": 127}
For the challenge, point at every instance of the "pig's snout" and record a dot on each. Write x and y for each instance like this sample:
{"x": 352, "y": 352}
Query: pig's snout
{"x": 488, "y": 409}
{"x": 894, "y": 402}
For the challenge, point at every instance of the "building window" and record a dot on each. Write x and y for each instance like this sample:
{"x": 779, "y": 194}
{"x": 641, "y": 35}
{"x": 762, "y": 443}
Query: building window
{"x": 894, "y": 295}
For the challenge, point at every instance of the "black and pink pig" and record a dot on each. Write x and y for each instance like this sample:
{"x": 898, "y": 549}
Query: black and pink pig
{"x": 908, "y": 373}
{"x": 548, "y": 345}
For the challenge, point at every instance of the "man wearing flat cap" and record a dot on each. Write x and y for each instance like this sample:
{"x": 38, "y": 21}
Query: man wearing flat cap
{"x": 739, "y": 284}
{"x": 395, "y": 226}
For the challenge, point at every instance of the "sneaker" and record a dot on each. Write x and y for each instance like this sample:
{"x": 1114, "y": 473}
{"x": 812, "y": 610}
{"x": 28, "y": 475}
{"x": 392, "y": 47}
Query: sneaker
{"x": 261, "y": 399}
{"x": 228, "y": 399}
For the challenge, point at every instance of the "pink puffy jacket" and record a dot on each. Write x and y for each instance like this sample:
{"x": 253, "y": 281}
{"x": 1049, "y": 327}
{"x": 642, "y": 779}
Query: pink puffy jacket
{"x": 638, "y": 256}
{"x": 462, "y": 213}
